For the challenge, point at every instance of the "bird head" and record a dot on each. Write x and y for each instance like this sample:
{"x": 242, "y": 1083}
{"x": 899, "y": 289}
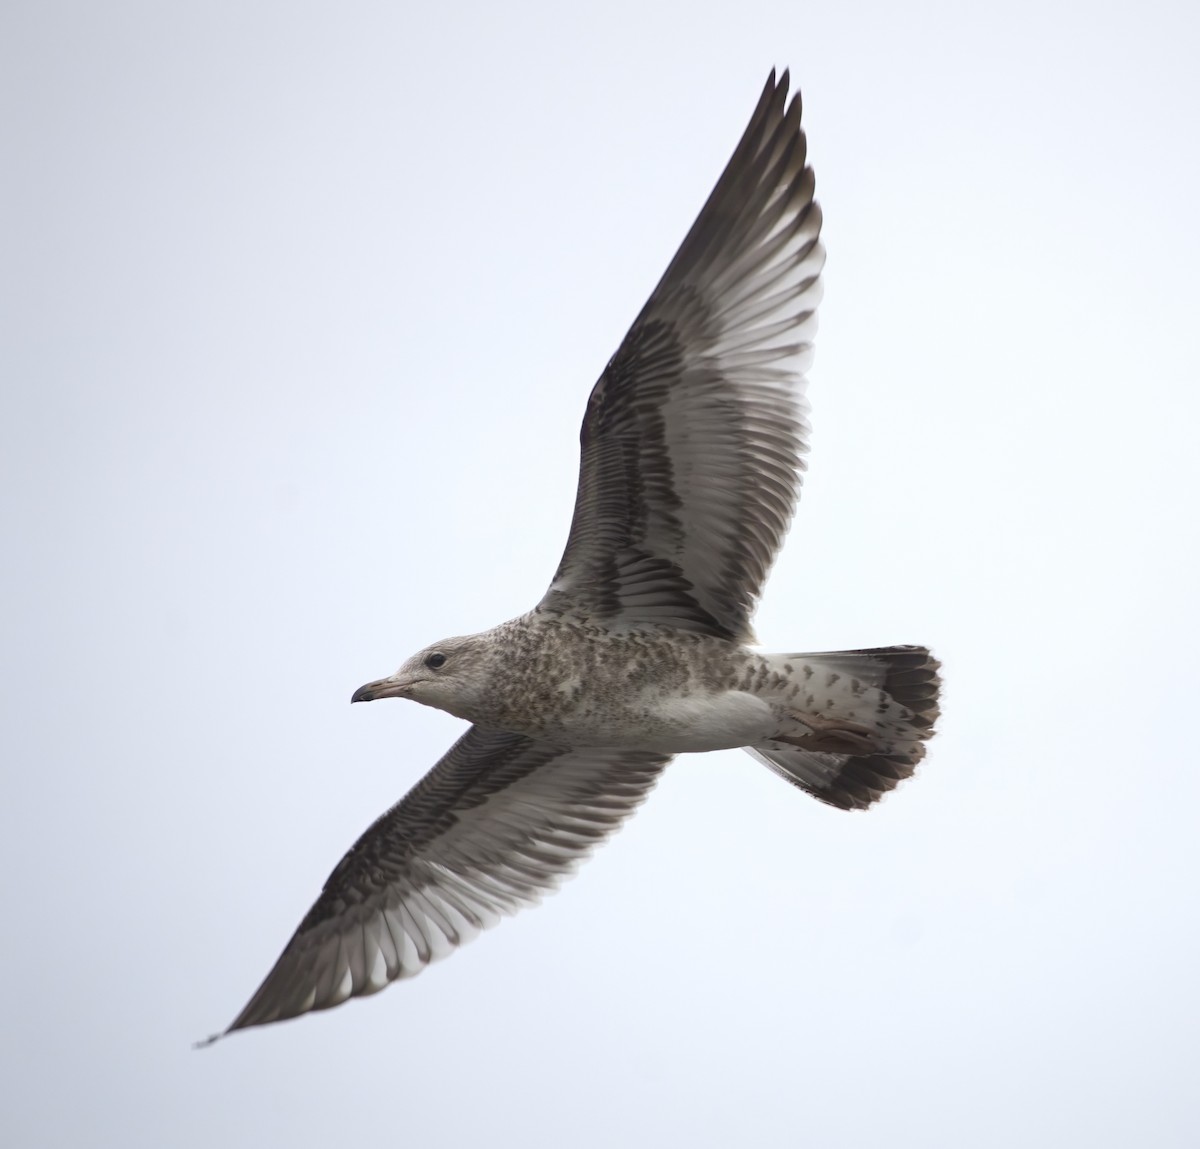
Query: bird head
{"x": 450, "y": 676}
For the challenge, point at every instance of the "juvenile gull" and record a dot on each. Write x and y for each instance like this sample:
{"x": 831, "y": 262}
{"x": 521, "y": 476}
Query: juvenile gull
{"x": 641, "y": 649}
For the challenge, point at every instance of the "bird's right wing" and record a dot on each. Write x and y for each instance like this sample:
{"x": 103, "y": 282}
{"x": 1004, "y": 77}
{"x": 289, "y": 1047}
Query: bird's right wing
{"x": 498, "y": 822}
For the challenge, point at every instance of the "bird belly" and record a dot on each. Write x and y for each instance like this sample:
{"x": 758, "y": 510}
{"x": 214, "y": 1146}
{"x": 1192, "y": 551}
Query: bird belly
{"x": 678, "y": 724}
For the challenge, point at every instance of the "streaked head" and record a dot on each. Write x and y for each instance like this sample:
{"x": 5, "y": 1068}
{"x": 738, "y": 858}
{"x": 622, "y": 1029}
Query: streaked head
{"x": 450, "y": 675}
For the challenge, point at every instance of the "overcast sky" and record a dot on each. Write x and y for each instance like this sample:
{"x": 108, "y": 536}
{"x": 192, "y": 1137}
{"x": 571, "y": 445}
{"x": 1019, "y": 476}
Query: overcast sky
{"x": 301, "y": 307}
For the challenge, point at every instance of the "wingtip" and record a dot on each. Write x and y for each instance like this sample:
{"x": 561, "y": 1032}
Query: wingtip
{"x": 211, "y": 1039}
{"x": 777, "y": 84}
{"x": 773, "y": 103}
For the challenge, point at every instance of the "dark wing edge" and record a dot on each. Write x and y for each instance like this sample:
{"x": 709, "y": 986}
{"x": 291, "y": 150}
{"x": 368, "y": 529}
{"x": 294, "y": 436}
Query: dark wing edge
{"x": 500, "y": 821}
{"x": 692, "y": 446}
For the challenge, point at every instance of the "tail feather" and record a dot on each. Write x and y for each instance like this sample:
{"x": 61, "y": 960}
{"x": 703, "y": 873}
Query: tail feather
{"x": 907, "y": 676}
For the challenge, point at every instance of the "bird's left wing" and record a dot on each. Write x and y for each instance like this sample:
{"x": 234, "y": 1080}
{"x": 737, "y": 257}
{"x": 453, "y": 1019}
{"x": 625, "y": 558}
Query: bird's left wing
{"x": 692, "y": 445}
{"x": 498, "y": 822}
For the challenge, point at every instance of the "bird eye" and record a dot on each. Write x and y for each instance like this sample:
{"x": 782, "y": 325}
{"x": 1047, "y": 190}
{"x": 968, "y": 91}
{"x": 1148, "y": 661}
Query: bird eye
{"x": 435, "y": 661}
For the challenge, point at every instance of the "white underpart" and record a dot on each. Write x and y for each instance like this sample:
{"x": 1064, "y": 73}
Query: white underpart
{"x": 698, "y": 722}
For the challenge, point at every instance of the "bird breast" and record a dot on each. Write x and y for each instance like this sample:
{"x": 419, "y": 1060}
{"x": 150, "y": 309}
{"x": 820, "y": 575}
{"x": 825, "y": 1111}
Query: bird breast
{"x": 581, "y": 686}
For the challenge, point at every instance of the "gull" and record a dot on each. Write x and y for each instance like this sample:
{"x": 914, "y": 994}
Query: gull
{"x": 691, "y": 458}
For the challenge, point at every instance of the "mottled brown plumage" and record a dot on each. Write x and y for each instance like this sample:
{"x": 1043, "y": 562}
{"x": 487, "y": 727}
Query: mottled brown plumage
{"x": 691, "y": 455}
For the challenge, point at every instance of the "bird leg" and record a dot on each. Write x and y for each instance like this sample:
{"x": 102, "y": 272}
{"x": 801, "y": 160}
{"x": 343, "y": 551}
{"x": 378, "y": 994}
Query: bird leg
{"x": 832, "y": 736}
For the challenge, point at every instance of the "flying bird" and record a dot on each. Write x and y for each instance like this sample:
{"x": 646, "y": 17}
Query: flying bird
{"x": 692, "y": 452}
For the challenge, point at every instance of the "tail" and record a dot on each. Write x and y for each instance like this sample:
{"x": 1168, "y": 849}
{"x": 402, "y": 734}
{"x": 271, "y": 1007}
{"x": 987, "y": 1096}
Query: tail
{"x": 902, "y": 683}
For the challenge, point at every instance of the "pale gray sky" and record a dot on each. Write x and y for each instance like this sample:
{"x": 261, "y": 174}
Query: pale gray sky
{"x": 302, "y": 304}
